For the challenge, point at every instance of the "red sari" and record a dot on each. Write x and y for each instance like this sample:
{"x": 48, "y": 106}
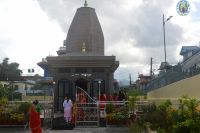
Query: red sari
{"x": 35, "y": 121}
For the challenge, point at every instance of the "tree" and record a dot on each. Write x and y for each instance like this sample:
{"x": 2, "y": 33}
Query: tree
{"x": 6, "y": 91}
{"x": 9, "y": 71}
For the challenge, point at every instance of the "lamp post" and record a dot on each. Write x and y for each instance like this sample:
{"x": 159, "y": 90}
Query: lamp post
{"x": 99, "y": 111}
{"x": 164, "y": 21}
{"x": 53, "y": 102}
{"x": 99, "y": 82}
{"x": 53, "y": 93}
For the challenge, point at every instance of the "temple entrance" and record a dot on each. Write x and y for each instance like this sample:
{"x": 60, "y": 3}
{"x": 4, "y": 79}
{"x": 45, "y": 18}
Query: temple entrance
{"x": 87, "y": 114}
{"x": 64, "y": 89}
{"x": 82, "y": 83}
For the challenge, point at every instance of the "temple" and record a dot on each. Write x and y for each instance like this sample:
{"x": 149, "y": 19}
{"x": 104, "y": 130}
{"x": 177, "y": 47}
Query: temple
{"x": 81, "y": 61}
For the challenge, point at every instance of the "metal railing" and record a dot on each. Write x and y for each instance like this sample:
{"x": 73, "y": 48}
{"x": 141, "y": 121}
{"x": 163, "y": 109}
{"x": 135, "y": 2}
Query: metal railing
{"x": 173, "y": 75}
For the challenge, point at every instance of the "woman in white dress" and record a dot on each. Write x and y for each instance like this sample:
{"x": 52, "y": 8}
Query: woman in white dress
{"x": 67, "y": 104}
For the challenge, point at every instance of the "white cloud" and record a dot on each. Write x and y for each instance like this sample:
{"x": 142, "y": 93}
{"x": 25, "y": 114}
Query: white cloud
{"x": 31, "y": 30}
{"x": 28, "y": 32}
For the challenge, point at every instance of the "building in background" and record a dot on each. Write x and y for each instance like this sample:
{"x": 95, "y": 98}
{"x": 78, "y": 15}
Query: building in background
{"x": 142, "y": 81}
{"x": 189, "y": 67}
{"x": 191, "y": 59}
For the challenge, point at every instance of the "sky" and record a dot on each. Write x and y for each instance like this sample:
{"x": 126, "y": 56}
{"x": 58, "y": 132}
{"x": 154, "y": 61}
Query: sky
{"x": 33, "y": 29}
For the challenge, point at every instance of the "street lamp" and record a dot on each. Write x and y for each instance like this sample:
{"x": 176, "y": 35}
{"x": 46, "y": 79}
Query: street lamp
{"x": 99, "y": 82}
{"x": 164, "y": 21}
{"x": 53, "y": 102}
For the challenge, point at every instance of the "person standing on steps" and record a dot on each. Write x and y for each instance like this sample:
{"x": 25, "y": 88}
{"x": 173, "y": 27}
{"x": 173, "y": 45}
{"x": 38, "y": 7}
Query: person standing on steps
{"x": 67, "y": 104}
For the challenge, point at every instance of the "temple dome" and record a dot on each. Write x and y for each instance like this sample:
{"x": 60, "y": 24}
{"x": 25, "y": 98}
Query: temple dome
{"x": 85, "y": 36}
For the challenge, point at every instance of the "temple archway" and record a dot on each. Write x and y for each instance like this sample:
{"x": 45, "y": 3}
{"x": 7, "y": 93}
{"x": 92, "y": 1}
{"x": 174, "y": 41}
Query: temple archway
{"x": 82, "y": 83}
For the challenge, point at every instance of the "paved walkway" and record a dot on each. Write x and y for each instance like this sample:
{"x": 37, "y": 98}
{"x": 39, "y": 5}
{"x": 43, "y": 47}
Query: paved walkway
{"x": 76, "y": 130}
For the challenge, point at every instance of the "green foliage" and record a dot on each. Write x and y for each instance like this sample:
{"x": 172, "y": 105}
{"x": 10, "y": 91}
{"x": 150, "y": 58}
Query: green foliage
{"x": 158, "y": 117}
{"x": 13, "y": 113}
{"x": 121, "y": 114}
{"x": 109, "y": 108}
{"x": 8, "y": 92}
{"x": 9, "y": 71}
{"x": 166, "y": 105}
{"x": 188, "y": 119}
{"x": 135, "y": 92}
{"x": 161, "y": 130}
{"x": 154, "y": 116}
{"x": 149, "y": 108}
{"x": 132, "y": 100}
{"x": 3, "y": 101}
{"x": 135, "y": 127}
{"x": 24, "y": 107}
{"x": 118, "y": 116}
{"x": 16, "y": 117}
{"x": 17, "y": 96}
{"x": 133, "y": 97}
{"x": 4, "y": 91}
{"x": 165, "y": 119}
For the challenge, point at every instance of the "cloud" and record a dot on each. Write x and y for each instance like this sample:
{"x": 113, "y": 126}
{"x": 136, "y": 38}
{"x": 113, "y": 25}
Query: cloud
{"x": 133, "y": 30}
{"x": 26, "y": 33}
{"x": 2, "y": 48}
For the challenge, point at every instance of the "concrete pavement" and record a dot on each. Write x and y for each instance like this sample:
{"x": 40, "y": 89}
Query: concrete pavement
{"x": 76, "y": 130}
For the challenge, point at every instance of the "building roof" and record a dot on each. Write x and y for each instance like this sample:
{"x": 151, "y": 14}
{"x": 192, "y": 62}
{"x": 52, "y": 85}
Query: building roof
{"x": 164, "y": 66}
{"x": 84, "y": 45}
{"x": 85, "y": 34}
{"x": 186, "y": 49}
{"x": 144, "y": 76}
{"x": 10, "y": 77}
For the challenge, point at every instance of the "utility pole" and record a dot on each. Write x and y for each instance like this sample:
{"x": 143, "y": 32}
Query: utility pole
{"x": 151, "y": 63}
{"x": 130, "y": 79}
{"x": 164, "y": 21}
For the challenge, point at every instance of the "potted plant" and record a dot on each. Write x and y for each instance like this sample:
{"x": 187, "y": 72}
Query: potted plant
{"x": 118, "y": 117}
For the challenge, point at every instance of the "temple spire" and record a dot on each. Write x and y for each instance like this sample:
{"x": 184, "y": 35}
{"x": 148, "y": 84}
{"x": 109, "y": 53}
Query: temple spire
{"x": 86, "y": 4}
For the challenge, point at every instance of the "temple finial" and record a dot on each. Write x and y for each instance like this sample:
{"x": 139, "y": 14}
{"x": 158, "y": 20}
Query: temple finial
{"x": 86, "y": 4}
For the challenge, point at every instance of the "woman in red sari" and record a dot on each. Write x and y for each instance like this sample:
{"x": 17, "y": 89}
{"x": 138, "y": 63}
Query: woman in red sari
{"x": 35, "y": 121}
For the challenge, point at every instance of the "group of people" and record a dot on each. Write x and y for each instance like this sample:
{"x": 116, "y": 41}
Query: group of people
{"x": 34, "y": 114}
{"x": 35, "y": 121}
{"x": 121, "y": 96}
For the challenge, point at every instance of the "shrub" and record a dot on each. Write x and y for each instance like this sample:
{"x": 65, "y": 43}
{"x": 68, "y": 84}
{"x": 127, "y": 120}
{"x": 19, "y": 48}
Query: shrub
{"x": 3, "y": 101}
{"x": 109, "y": 108}
{"x": 188, "y": 120}
{"x": 165, "y": 119}
{"x": 24, "y": 107}
{"x": 135, "y": 128}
